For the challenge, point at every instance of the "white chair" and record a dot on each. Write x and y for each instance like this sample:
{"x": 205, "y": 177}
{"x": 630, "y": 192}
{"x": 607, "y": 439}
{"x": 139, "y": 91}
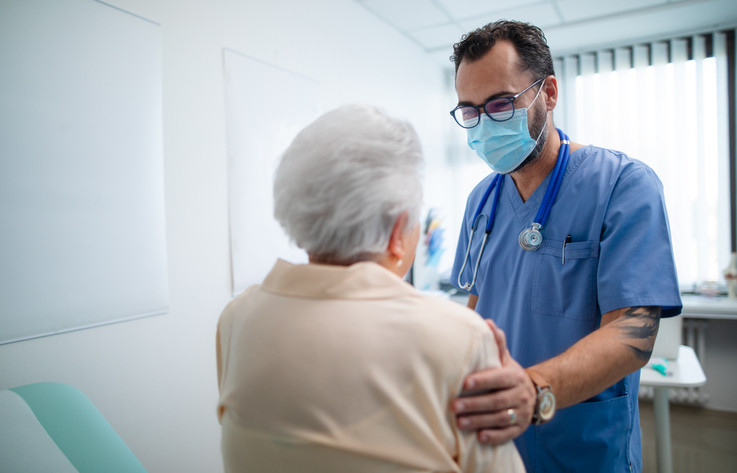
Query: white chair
{"x": 55, "y": 428}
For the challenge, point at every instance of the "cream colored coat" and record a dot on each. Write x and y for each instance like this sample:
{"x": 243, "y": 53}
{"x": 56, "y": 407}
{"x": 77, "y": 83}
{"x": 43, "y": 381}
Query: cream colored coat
{"x": 348, "y": 370}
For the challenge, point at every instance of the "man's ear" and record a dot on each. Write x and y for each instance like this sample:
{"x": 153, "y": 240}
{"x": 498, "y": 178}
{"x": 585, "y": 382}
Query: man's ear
{"x": 550, "y": 87}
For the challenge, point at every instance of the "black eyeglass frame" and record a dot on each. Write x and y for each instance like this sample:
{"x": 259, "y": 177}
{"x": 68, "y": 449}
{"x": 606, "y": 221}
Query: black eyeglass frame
{"x": 486, "y": 104}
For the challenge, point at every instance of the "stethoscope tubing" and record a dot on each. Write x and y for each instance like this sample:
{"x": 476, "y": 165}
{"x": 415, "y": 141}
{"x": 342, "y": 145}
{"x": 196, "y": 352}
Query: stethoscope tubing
{"x": 497, "y": 181}
{"x": 552, "y": 191}
{"x": 540, "y": 218}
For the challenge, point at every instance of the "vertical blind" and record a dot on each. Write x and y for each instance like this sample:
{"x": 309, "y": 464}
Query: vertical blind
{"x": 665, "y": 103}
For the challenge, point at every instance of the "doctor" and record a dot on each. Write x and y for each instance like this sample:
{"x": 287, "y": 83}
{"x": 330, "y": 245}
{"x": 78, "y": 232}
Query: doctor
{"x": 567, "y": 248}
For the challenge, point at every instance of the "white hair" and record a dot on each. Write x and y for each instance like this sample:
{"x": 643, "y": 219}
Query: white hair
{"x": 345, "y": 179}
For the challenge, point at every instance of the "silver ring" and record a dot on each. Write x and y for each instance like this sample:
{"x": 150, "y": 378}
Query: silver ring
{"x": 512, "y": 416}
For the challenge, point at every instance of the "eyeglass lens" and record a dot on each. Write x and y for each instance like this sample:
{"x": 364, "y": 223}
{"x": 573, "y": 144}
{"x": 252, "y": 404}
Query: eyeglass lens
{"x": 500, "y": 109}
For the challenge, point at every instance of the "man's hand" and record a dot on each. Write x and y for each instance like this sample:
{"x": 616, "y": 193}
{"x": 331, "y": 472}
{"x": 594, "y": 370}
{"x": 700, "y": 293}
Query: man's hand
{"x": 508, "y": 395}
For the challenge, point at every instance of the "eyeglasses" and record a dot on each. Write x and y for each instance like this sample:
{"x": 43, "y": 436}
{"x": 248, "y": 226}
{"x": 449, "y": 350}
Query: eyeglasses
{"x": 499, "y": 109}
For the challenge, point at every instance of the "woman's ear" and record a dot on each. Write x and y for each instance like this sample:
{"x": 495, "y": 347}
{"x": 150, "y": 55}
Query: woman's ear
{"x": 397, "y": 242}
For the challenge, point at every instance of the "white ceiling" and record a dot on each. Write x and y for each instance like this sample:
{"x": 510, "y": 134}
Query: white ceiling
{"x": 569, "y": 25}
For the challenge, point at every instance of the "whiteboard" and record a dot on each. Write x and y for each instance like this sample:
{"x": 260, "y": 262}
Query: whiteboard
{"x": 266, "y": 107}
{"x": 81, "y": 171}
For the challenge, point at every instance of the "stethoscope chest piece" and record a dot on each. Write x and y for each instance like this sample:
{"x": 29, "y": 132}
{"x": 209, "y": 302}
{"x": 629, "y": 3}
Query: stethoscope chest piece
{"x": 530, "y": 239}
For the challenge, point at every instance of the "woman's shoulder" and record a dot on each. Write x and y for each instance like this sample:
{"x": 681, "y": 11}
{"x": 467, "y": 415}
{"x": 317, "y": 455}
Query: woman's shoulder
{"x": 235, "y": 305}
{"x": 446, "y": 307}
{"x": 449, "y": 318}
{"x": 458, "y": 335}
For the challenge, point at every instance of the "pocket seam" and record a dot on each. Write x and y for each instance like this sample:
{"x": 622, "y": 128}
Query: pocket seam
{"x": 537, "y": 306}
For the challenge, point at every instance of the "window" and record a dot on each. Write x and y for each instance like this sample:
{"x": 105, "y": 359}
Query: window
{"x": 666, "y": 104}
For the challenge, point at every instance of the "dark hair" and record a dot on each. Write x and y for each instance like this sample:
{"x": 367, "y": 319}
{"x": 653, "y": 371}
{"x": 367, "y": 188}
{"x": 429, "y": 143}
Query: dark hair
{"x": 528, "y": 40}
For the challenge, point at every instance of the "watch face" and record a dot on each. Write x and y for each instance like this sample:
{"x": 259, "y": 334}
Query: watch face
{"x": 547, "y": 405}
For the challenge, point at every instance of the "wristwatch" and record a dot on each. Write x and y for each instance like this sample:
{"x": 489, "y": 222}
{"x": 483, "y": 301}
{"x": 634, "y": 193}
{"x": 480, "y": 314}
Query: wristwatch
{"x": 545, "y": 402}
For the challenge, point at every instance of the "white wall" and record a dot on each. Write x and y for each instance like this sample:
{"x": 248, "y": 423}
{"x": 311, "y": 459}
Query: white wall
{"x": 154, "y": 379}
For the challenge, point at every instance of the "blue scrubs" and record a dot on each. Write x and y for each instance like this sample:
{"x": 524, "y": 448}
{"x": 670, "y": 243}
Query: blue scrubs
{"x": 619, "y": 255}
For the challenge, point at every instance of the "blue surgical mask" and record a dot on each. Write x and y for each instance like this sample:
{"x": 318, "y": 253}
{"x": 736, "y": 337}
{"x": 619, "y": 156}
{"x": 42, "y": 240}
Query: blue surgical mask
{"x": 504, "y": 145}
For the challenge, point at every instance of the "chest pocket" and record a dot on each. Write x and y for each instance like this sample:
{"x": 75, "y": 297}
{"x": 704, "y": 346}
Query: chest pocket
{"x": 565, "y": 286}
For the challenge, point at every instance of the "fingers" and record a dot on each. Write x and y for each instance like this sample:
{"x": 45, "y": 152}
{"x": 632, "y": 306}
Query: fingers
{"x": 502, "y": 389}
{"x": 501, "y": 397}
{"x": 491, "y": 410}
{"x": 495, "y": 427}
{"x": 502, "y": 419}
{"x": 504, "y": 377}
{"x": 500, "y": 436}
{"x": 498, "y": 402}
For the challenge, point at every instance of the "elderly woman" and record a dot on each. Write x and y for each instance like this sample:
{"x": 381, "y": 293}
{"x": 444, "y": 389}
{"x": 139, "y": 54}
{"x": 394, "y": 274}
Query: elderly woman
{"x": 339, "y": 365}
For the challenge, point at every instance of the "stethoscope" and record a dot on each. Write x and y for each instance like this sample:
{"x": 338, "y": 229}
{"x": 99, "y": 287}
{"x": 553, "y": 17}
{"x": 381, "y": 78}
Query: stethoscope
{"x": 531, "y": 238}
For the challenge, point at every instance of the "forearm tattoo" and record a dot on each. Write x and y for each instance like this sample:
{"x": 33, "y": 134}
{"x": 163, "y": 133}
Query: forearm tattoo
{"x": 639, "y": 326}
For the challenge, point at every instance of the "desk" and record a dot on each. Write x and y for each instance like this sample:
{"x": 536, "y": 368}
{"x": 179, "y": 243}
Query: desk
{"x": 687, "y": 372}
{"x": 702, "y": 307}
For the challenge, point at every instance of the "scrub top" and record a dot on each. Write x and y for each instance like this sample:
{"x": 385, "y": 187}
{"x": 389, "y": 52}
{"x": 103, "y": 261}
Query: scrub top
{"x": 618, "y": 255}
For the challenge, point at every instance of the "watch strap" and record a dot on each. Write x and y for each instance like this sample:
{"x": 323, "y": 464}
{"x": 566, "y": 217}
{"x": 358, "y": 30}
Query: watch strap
{"x": 537, "y": 379}
{"x": 543, "y": 389}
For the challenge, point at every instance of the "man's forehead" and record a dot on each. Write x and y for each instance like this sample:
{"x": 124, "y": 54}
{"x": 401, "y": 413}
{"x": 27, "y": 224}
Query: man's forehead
{"x": 497, "y": 71}
{"x": 503, "y": 55}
